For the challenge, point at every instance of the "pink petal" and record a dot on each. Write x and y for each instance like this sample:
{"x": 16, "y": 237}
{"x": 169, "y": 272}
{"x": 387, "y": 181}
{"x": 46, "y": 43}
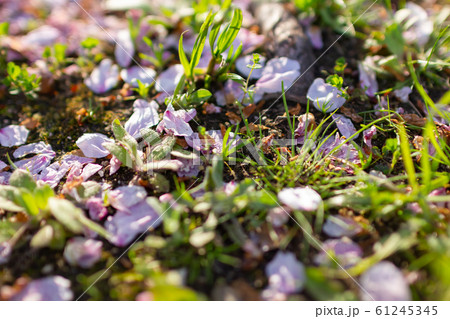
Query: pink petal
{"x": 37, "y": 163}
{"x": 175, "y": 122}
{"x": 345, "y": 126}
{"x": 82, "y": 252}
{"x": 103, "y": 78}
{"x": 131, "y": 75}
{"x": 54, "y": 288}
{"x": 145, "y": 115}
{"x": 97, "y": 210}
{"x": 315, "y": 36}
{"x": 403, "y": 94}
{"x": 124, "y": 50}
{"x": 305, "y": 199}
{"x": 168, "y": 80}
{"x": 241, "y": 66}
{"x": 324, "y": 96}
{"x": 114, "y": 165}
{"x": 285, "y": 273}
{"x": 384, "y": 282}
{"x": 345, "y": 251}
{"x": 339, "y": 226}
{"x": 122, "y": 198}
{"x": 2, "y": 165}
{"x": 91, "y": 144}
{"x": 13, "y": 135}
{"x": 126, "y": 226}
{"x": 369, "y": 134}
{"x": 367, "y": 76}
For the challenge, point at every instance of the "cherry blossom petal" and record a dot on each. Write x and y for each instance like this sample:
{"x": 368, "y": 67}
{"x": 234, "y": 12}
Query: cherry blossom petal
{"x": 176, "y": 122}
{"x": 54, "y": 288}
{"x": 97, "y": 210}
{"x": 324, "y": 96}
{"x": 339, "y": 226}
{"x": 403, "y": 94}
{"x": 250, "y": 40}
{"x": 145, "y": 115}
{"x": 369, "y": 134}
{"x": 5, "y": 251}
{"x": 384, "y": 282}
{"x": 124, "y": 227}
{"x": 242, "y": 66}
{"x": 115, "y": 164}
{"x": 168, "y": 80}
{"x": 91, "y": 144}
{"x": 299, "y": 198}
{"x": 3, "y": 165}
{"x": 367, "y": 76}
{"x": 122, "y": 198}
{"x": 416, "y": 23}
{"x": 37, "y": 163}
{"x": 345, "y": 126}
{"x": 103, "y": 78}
{"x": 82, "y": 252}
{"x": 314, "y": 34}
{"x": 344, "y": 250}
{"x": 277, "y": 70}
{"x": 124, "y": 49}
{"x": 143, "y": 74}
{"x": 13, "y": 135}
{"x": 231, "y": 92}
{"x": 285, "y": 273}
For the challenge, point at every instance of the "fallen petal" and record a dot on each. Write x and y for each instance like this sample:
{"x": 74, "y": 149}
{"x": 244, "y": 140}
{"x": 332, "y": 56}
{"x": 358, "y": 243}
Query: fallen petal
{"x": 299, "y": 198}
{"x": 13, "y": 135}
{"x": 384, "y": 282}
{"x": 82, "y": 252}
{"x": 54, "y": 288}
{"x": 91, "y": 144}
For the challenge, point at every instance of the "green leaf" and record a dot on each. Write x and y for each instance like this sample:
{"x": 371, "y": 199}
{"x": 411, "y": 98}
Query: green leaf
{"x": 9, "y": 206}
{"x": 118, "y": 130}
{"x": 4, "y": 28}
{"x": 150, "y": 136}
{"x": 60, "y": 52}
{"x": 394, "y": 40}
{"x": 119, "y": 152}
{"x": 27, "y": 201}
{"x": 213, "y": 35}
{"x": 200, "y": 43}
{"x": 183, "y": 59}
{"x": 42, "y": 194}
{"x": 73, "y": 218}
{"x": 67, "y": 214}
{"x": 227, "y": 37}
{"x": 199, "y": 96}
{"x": 43, "y": 237}
{"x": 22, "y": 179}
{"x": 88, "y": 189}
{"x": 89, "y": 43}
{"x": 162, "y": 149}
{"x": 231, "y": 76}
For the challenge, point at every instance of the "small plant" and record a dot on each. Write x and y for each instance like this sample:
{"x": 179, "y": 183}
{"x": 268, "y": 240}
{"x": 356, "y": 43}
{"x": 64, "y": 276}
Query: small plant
{"x": 20, "y": 81}
{"x": 54, "y": 218}
{"x": 142, "y": 89}
{"x": 157, "y": 149}
{"x": 158, "y": 59}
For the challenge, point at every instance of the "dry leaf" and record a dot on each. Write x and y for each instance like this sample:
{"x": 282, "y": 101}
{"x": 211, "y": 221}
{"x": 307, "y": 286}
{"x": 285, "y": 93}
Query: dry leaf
{"x": 351, "y": 113}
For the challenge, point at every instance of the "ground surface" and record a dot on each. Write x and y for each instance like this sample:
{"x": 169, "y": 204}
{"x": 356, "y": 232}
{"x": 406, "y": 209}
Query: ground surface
{"x": 361, "y": 215}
